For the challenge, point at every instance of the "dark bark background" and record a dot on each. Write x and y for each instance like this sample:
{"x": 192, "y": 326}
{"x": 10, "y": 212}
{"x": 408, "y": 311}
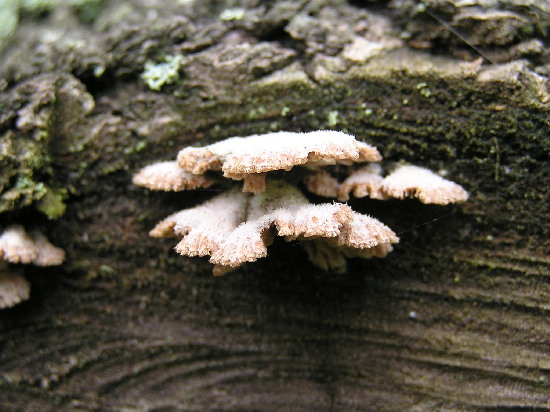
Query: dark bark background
{"x": 456, "y": 318}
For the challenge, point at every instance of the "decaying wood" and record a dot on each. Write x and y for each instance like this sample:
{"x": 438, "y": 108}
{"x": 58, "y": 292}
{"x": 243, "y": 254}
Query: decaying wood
{"x": 455, "y": 318}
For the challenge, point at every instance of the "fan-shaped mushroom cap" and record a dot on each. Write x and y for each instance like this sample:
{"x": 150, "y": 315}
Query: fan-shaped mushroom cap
{"x": 405, "y": 181}
{"x": 224, "y": 212}
{"x": 366, "y": 181}
{"x": 48, "y": 254}
{"x": 235, "y": 227}
{"x": 206, "y": 227}
{"x": 13, "y": 288}
{"x": 363, "y": 237}
{"x": 16, "y": 246}
{"x": 240, "y": 157}
{"x": 281, "y": 210}
{"x": 168, "y": 176}
{"x": 322, "y": 183}
{"x": 365, "y": 232}
{"x": 414, "y": 181}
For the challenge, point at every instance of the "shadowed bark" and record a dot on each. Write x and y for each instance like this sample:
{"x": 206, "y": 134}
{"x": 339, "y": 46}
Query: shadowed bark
{"x": 455, "y": 318}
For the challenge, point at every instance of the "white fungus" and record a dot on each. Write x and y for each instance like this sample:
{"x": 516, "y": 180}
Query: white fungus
{"x": 237, "y": 226}
{"x": 17, "y": 246}
{"x": 240, "y": 157}
{"x": 234, "y": 227}
{"x": 168, "y": 176}
{"x": 14, "y": 288}
{"x": 414, "y": 181}
{"x": 366, "y": 181}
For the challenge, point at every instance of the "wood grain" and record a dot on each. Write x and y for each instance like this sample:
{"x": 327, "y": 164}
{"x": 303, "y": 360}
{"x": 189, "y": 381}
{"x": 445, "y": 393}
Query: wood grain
{"x": 456, "y": 318}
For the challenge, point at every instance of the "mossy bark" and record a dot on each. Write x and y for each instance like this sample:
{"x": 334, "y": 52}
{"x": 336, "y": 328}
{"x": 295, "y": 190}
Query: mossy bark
{"x": 455, "y": 318}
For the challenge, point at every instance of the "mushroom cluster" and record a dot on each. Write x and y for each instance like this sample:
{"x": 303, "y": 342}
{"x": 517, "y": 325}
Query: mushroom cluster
{"x": 237, "y": 226}
{"x": 18, "y": 246}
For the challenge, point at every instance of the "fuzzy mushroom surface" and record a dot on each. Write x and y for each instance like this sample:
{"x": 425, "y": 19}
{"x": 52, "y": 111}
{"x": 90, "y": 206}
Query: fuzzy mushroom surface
{"x": 414, "y": 181}
{"x": 169, "y": 177}
{"x": 404, "y": 181}
{"x": 235, "y": 227}
{"x": 249, "y": 158}
{"x": 18, "y": 246}
{"x": 14, "y": 288}
{"x": 366, "y": 181}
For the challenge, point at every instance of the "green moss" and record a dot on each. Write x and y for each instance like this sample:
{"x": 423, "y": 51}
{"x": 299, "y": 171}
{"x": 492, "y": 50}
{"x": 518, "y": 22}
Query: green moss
{"x": 106, "y": 270}
{"x": 51, "y": 204}
{"x": 138, "y": 147}
{"x": 157, "y": 75}
{"x": 24, "y": 192}
{"x": 423, "y": 88}
{"x": 25, "y": 183}
{"x": 257, "y": 112}
{"x": 426, "y": 92}
{"x": 332, "y": 118}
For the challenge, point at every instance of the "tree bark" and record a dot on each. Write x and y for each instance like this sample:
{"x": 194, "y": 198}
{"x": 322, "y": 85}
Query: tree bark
{"x": 456, "y": 318}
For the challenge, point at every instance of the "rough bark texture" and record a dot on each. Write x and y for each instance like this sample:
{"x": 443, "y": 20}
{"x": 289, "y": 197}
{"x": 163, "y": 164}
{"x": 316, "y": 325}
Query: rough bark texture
{"x": 456, "y": 318}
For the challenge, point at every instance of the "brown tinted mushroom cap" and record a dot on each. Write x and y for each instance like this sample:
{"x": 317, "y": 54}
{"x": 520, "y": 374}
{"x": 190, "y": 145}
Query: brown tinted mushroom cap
{"x": 240, "y": 156}
{"x": 48, "y": 254}
{"x": 366, "y": 181}
{"x": 234, "y": 228}
{"x": 414, "y": 181}
{"x": 17, "y": 246}
{"x": 365, "y": 232}
{"x": 168, "y": 176}
{"x": 206, "y": 227}
{"x": 322, "y": 184}
{"x": 13, "y": 288}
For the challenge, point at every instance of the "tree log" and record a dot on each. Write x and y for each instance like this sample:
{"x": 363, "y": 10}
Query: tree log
{"x": 456, "y": 318}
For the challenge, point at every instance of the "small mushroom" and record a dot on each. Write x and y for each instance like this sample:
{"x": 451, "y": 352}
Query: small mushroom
{"x": 14, "y": 288}
{"x": 414, "y": 181}
{"x": 327, "y": 255}
{"x": 322, "y": 184}
{"x": 235, "y": 227}
{"x": 404, "y": 181}
{"x": 246, "y": 157}
{"x": 16, "y": 246}
{"x": 168, "y": 176}
{"x": 366, "y": 181}
{"x": 48, "y": 254}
